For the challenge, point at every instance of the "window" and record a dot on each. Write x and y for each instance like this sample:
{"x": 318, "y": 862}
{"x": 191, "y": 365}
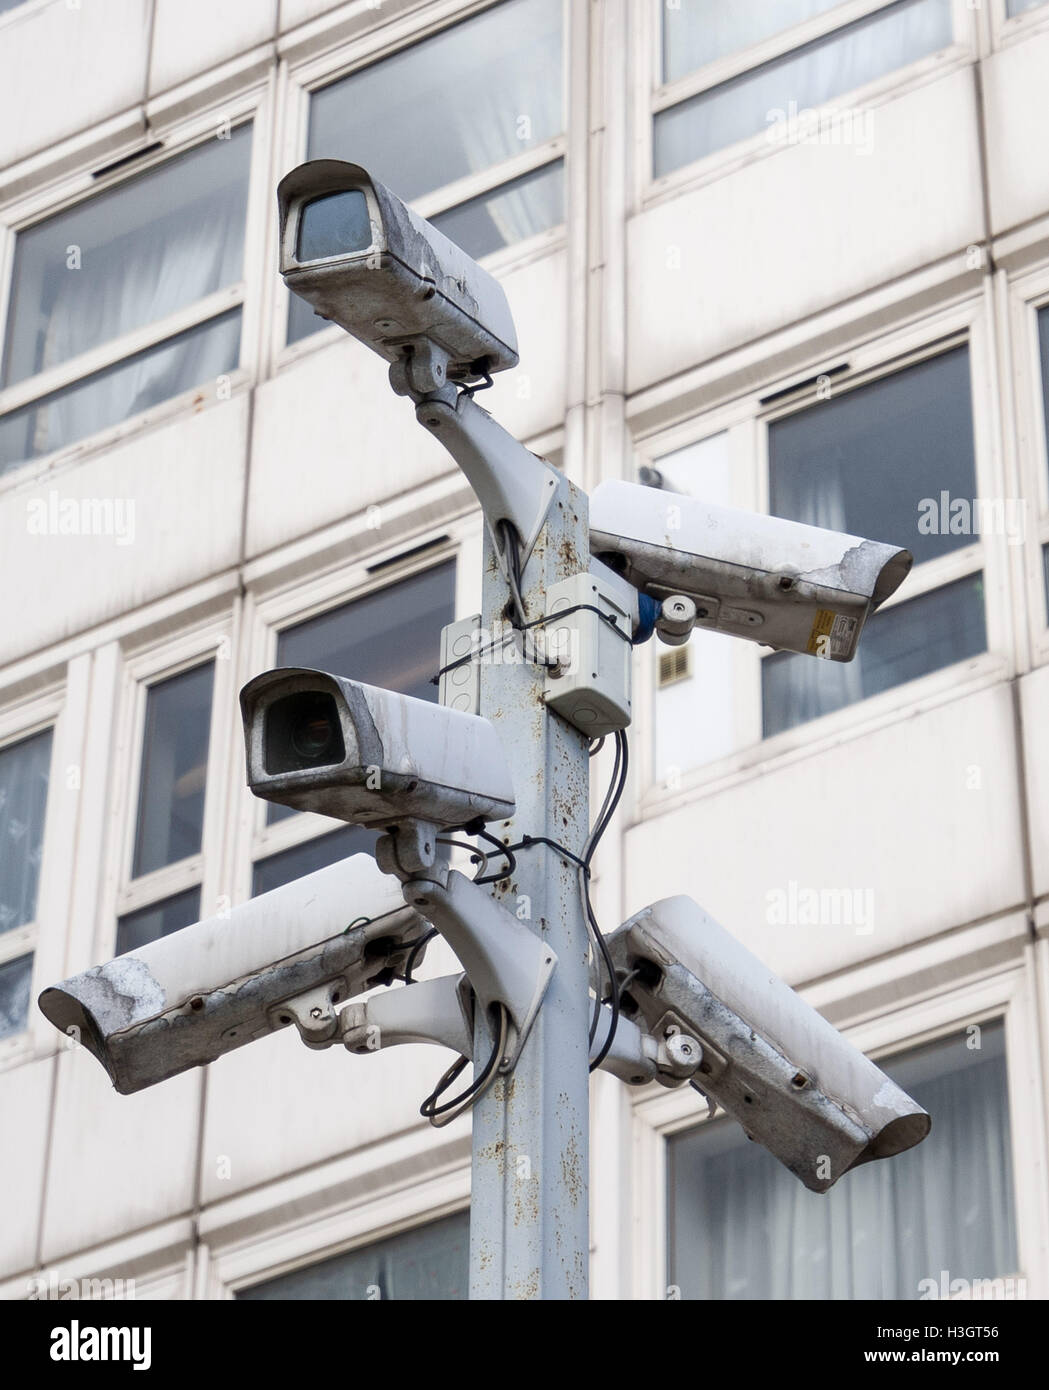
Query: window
{"x": 24, "y": 772}
{"x": 888, "y": 460}
{"x": 702, "y": 108}
{"x": 1015, "y": 7}
{"x": 486, "y": 166}
{"x": 430, "y": 1263}
{"x": 389, "y": 638}
{"x": 741, "y": 1226}
{"x": 169, "y": 824}
{"x": 124, "y": 300}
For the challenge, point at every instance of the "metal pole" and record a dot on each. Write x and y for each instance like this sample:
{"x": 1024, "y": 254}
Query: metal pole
{"x": 529, "y": 1213}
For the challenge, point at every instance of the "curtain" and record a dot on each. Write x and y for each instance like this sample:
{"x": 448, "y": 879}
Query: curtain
{"x": 24, "y": 769}
{"x": 809, "y": 77}
{"x": 742, "y": 1226}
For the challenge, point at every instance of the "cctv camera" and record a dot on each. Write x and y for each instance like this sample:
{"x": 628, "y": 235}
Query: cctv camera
{"x": 186, "y": 999}
{"x": 363, "y": 259}
{"x": 777, "y": 1066}
{"x": 793, "y": 587}
{"x": 323, "y": 743}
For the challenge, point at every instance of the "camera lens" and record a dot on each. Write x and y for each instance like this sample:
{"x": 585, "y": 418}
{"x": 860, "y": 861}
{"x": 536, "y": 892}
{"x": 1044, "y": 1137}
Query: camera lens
{"x": 313, "y": 735}
{"x": 303, "y": 731}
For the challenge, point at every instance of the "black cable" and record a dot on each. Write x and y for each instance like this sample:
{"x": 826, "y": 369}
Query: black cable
{"x": 622, "y": 745}
{"x": 430, "y": 1109}
{"x": 588, "y": 851}
{"x": 415, "y": 952}
{"x": 507, "y": 850}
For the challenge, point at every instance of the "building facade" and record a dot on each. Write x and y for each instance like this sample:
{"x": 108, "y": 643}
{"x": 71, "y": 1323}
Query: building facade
{"x": 792, "y": 256}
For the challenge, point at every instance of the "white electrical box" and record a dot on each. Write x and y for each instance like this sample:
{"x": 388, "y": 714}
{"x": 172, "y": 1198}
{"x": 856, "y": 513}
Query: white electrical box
{"x": 460, "y": 682}
{"x": 590, "y": 685}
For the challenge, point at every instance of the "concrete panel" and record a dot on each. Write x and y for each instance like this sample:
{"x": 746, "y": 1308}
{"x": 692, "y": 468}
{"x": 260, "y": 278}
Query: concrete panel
{"x": 25, "y": 1104}
{"x": 117, "y": 1163}
{"x": 168, "y": 504}
{"x": 331, "y": 438}
{"x": 1034, "y": 697}
{"x": 65, "y": 67}
{"x": 275, "y": 1106}
{"x": 1017, "y": 126}
{"x": 801, "y": 229}
{"x": 191, "y": 36}
{"x": 899, "y": 834}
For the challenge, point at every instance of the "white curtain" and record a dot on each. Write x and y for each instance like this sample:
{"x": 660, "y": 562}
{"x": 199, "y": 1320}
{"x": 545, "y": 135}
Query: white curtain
{"x": 742, "y": 1226}
{"x": 24, "y": 769}
{"x": 810, "y": 77}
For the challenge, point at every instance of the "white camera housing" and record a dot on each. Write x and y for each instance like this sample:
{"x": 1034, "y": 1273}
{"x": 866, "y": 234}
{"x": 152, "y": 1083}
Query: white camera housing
{"x": 769, "y": 1059}
{"x": 365, "y": 261}
{"x": 792, "y": 587}
{"x": 335, "y": 746}
{"x": 186, "y": 999}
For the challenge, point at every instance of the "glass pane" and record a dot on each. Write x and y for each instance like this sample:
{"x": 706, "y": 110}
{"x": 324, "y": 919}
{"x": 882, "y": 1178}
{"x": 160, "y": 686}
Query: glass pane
{"x": 430, "y": 1263}
{"x": 1015, "y": 7}
{"x": 518, "y": 210}
{"x": 806, "y": 77}
{"x": 390, "y": 638}
{"x": 742, "y": 1227}
{"x": 885, "y": 460}
{"x": 898, "y": 644}
{"x": 1043, "y": 344}
{"x": 457, "y": 103}
{"x": 174, "y": 770}
{"x": 695, "y": 32}
{"x": 279, "y": 869}
{"x": 24, "y": 769}
{"x": 129, "y": 256}
{"x": 15, "y": 979}
{"x": 106, "y": 398}
{"x": 138, "y": 929}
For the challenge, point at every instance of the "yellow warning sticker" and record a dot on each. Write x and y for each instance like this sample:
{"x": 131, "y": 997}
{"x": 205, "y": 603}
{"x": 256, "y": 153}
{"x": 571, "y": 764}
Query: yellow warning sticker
{"x": 831, "y": 634}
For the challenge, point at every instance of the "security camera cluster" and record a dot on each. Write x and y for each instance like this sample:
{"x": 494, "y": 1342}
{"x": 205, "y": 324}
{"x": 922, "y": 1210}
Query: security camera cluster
{"x": 687, "y": 1003}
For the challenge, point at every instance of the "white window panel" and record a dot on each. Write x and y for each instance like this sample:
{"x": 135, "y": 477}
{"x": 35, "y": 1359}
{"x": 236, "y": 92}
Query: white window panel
{"x": 126, "y": 298}
{"x": 106, "y": 398}
{"x": 24, "y": 772}
{"x": 697, "y": 32}
{"x": 389, "y": 638}
{"x": 864, "y": 462}
{"x": 467, "y": 125}
{"x": 15, "y": 981}
{"x": 742, "y": 1226}
{"x": 430, "y": 1263}
{"x": 807, "y": 77}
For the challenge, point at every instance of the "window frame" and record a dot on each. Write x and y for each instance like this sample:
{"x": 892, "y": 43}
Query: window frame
{"x": 287, "y": 606}
{"x": 656, "y": 96}
{"x": 19, "y": 722}
{"x": 747, "y": 421}
{"x": 1005, "y": 995}
{"x": 277, "y": 1248}
{"x": 143, "y": 668}
{"x": 1008, "y": 29}
{"x": 253, "y": 106}
{"x": 307, "y": 75}
{"x": 1028, "y": 294}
